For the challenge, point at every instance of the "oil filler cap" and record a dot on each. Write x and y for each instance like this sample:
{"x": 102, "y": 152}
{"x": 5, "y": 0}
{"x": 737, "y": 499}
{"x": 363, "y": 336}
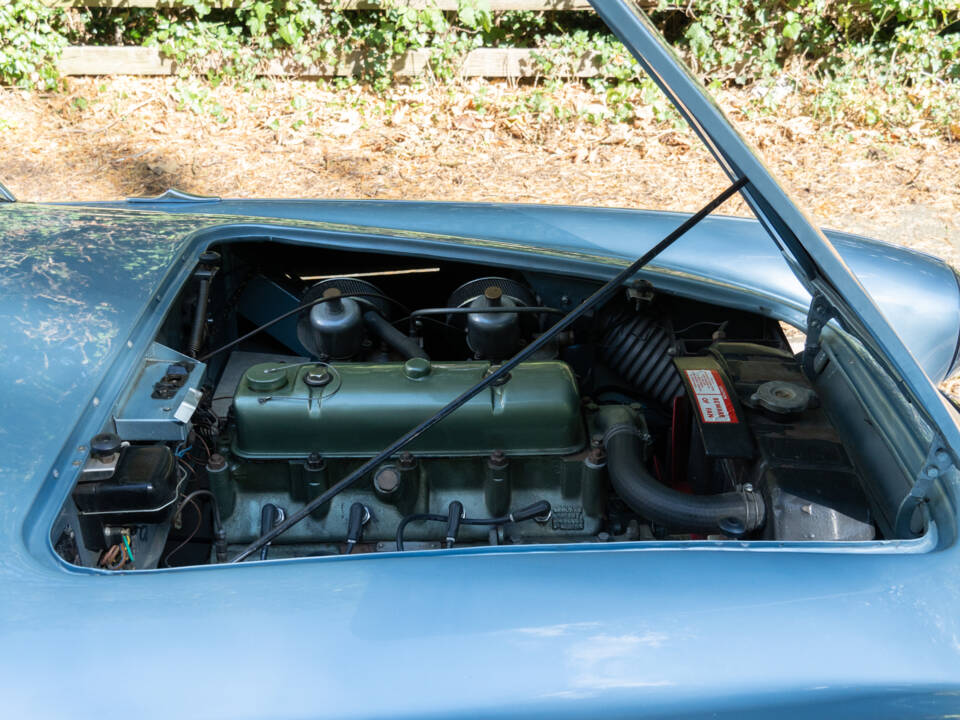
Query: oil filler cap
{"x": 783, "y": 398}
{"x": 416, "y": 368}
{"x": 264, "y": 378}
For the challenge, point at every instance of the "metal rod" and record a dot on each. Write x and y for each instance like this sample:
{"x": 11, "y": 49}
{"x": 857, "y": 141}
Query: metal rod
{"x": 200, "y": 316}
{"x": 482, "y": 311}
{"x": 602, "y": 295}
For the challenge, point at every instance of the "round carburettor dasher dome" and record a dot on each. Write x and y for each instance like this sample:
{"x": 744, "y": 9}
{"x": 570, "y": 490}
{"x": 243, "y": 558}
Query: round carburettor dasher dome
{"x": 497, "y": 333}
{"x": 334, "y": 329}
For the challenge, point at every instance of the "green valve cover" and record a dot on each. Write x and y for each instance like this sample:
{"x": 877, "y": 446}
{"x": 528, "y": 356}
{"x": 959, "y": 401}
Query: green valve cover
{"x": 357, "y": 409}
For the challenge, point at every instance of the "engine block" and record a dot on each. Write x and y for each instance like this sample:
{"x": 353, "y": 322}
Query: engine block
{"x": 298, "y": 428}
{"x": 356, "y": 409}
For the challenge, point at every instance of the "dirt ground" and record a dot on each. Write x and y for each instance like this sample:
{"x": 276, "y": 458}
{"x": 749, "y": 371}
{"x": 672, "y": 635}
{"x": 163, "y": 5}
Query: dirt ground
{"x": 136, "y": 136}
{"x": 483, "y": 140}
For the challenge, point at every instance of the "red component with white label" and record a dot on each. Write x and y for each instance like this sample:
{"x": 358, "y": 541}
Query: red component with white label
{"x": 711, "y": 396}
{"x": 719, "y": 414}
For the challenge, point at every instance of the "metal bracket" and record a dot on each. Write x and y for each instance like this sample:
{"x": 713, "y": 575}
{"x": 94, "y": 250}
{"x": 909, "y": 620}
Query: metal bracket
{"x": 937, "y": 463}
{"x": 821, "y": 312}
{"x": 640, "y": 292}
{"x": 95, "y": 468}
{"x": 141, "y": 416}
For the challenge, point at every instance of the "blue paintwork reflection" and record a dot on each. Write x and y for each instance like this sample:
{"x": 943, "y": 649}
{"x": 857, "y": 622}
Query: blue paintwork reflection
{"x": 578, "y": 634}
{"x": 612, "y": 632}
{"x": 916, "y": 292}
{"x": 72, "y": 282}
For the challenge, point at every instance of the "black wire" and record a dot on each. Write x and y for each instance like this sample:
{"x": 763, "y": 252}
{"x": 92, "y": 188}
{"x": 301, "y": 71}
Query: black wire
{"x": 599, "y": 297}
{"x": 502, "y": 520}
{"x": 299, "y": 308}
{"x": 697, "y": 324}
{"x": 501, "y": 309}
{"x": 446, "y": 325}
{"x": 425, "y": 313}
{"x": 417, "y": 517}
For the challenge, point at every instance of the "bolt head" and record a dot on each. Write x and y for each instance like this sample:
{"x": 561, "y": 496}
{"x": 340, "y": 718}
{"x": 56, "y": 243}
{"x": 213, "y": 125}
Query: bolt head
{"x": 387, "y": 480}
{"x": 597, "y": 456}
{"x": 216, "y": 462}
{"x": 317, "y": 377}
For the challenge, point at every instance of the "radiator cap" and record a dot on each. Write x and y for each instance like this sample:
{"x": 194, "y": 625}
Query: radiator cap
{"x": 781, "y": 397}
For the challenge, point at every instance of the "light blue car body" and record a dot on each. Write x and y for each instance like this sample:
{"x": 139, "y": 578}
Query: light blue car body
{"x": 651, "y": 629}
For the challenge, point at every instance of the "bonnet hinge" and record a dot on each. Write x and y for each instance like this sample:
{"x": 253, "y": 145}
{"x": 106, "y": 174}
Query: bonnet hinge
{"x": 937, "y": 463}
{"x": 819, "y": 314}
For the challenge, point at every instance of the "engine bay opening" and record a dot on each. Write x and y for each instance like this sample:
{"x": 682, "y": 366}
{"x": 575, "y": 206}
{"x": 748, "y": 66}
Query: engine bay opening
{"x": 281, "y": 368}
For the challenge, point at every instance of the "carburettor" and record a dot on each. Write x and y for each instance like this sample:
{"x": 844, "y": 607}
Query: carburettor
{"x": 298, "y": 428}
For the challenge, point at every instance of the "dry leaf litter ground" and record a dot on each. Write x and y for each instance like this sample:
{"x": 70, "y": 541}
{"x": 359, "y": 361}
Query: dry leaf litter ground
{"x": 112, "y": 138}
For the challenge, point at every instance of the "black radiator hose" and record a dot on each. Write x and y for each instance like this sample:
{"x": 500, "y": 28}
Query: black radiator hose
{"x": 403, "y": 344}
{"x": 732, "y": 513}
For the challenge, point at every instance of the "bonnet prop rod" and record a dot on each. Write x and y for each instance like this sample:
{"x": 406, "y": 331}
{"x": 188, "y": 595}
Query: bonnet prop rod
{"x": 602, "y": 295}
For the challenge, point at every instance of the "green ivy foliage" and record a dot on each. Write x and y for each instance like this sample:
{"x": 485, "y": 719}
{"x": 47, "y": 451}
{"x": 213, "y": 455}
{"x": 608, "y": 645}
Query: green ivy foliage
{"x": 909, "y": 48}
{"x": 31, "y": 39}
{"x": 743, "y": 40}
{"x": 304, "y": 33}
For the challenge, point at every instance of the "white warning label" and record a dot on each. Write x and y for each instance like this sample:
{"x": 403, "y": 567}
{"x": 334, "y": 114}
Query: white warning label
{"x": 712, "y": 399}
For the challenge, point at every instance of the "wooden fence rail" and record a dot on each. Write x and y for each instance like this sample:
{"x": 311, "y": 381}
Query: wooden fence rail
{"x": 482, "y": 62}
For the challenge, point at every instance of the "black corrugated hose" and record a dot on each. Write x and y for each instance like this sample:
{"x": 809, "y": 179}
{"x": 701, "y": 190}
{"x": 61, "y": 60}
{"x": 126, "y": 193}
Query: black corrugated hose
{"x": 638, "y": 348}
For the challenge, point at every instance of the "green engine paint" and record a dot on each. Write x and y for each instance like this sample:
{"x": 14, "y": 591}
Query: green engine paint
{"x": 356, "y": 409}
{"x": 300, "y": 428}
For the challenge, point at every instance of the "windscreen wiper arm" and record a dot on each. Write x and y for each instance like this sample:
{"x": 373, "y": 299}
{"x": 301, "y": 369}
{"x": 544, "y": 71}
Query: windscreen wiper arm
{"x": 602, "y": 295}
